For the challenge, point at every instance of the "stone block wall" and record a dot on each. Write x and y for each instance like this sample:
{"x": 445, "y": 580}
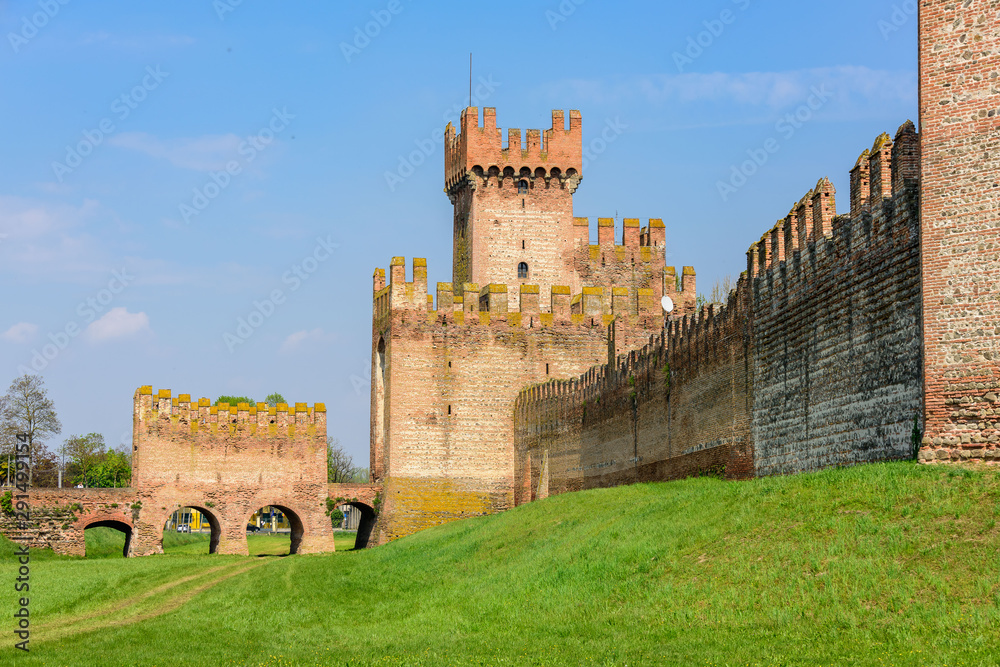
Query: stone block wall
{"x": 677, "y": 407}
{"x": 836, "y": 331}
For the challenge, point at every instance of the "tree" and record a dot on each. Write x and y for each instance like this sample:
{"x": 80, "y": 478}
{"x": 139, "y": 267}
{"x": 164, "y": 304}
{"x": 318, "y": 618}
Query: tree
{"x": 720, "y": 293}
{"x": 721, "y": 290}
{"x": 235, "y": 400}
{"x": 85, "y": 453}
{"x": 6, "y": 450}
{"x": 275, "y": 398}
{"x": 112, "y": 471}
{"x": 28, "y": 409}
{"x": 339, "y": 465}
{"x": 46, "y": 470}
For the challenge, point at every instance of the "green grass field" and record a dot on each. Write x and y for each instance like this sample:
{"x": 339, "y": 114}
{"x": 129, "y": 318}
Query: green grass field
{"x": 891, "y": 564}
{"x": 109, "y": 543}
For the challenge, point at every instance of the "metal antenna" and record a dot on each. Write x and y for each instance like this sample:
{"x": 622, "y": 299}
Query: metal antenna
{"x": 470, "y": 78}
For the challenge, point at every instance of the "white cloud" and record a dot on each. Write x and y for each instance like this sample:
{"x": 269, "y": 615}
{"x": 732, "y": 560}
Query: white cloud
{"x": 29, "y": 219}
{"x": 117, "y": 323}
{"x": 849, "y": 85}
{"x": 52, "y": 240}
{"x": 20, "y": 332}
{"x": 207, "y": 153}
{"x": 299, "y": 338}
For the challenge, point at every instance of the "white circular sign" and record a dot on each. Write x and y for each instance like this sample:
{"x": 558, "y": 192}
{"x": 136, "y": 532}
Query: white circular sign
{"x": 667, "y": 303}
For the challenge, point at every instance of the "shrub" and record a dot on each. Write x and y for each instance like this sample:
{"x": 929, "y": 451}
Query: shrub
{"x": 235, "y": 400}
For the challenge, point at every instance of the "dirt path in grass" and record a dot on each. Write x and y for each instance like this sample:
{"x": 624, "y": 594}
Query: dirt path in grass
{"x": 135, "y": 610}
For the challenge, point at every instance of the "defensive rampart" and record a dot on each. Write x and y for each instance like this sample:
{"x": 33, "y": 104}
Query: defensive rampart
{"x": 58, "y": 517}
{"x": 814, "y": 360}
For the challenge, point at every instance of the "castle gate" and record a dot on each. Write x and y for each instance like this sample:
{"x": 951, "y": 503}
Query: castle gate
{"x": 224, "y": 461}
{"x": 227, "y": 461}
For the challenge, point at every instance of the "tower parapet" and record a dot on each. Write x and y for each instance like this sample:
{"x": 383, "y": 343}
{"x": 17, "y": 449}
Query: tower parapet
{"x": 554, "y": 153}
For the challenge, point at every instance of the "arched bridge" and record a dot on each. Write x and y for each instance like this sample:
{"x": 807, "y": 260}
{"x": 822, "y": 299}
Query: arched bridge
{"x": 59, "y": 517}
{"x": 225, "y": 461}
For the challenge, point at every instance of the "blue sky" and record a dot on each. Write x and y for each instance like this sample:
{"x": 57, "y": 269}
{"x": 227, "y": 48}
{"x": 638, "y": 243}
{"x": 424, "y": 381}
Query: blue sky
{"x": 172, "y": 168}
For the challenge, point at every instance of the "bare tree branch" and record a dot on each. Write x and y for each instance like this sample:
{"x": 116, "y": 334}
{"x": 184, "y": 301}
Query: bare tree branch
{"x": 339, "y": 465}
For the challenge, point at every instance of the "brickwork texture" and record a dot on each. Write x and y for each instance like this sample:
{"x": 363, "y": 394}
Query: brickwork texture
{"x": 960, "y": 228}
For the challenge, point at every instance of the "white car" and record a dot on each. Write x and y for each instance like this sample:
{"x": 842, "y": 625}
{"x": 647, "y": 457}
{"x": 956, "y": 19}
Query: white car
{"x": 184, "y": 529}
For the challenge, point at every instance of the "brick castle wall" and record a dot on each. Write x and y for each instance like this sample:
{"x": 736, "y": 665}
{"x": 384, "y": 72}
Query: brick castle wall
{"x": 836, "y": 326}
{"x": 227, "y": 462}
{"x": 59, "y": 517}
{"x": 813, "y": 361}
{"x": 960, "y": 227}
{"x": 445, "y": 376}
{"x": 679, "y": 406}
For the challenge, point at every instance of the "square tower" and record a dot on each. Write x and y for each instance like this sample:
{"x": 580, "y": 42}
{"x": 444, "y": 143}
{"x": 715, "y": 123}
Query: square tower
{"x": 960, "y": 225}
{"x": 513, "y": 219}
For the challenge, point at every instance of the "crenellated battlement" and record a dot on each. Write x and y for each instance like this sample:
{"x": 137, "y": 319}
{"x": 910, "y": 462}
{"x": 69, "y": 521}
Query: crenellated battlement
{"x": 556, "y": 153}
{"x": 689, "y": 343}
{"x": 883, "y": 173}
{"x": 227, "y": 461}
{"x": 470, "y": 303}
{"x": 159, "y": 411}
{"x": 597, "y": 380}
{"x": 635, "y": 237}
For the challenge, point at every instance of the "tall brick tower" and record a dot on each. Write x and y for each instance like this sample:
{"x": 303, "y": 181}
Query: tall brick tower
{"x": 513, "y": 220}
{"x": 960, "y": 224}
{"x": 531, "y": 302}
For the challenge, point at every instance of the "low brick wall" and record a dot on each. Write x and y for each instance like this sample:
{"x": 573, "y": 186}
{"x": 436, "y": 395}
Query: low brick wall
{"x": 58, "y": 517}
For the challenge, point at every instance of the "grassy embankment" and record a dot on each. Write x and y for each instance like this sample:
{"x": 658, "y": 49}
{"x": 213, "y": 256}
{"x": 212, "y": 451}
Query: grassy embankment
{"x": 891, "y": 564}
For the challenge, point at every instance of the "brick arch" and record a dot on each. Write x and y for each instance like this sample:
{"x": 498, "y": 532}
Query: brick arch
{"x": 90, "y": 518}
{"x": 295, "y": 520}
{"x": 366, "y": 525}
{"x": 116, "y": 520}
{"x": 214, "y": 522}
